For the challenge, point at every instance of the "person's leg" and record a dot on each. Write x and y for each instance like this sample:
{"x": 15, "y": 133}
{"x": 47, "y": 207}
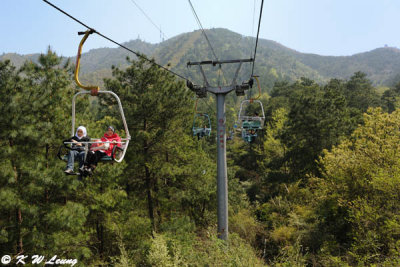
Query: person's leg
{"x": 98, "y": 155}
{"x": 95, "y": 158}
{"x": 89, "y": 158}
{"x": 71, "y": 158}
{"x": 81, "y": 158}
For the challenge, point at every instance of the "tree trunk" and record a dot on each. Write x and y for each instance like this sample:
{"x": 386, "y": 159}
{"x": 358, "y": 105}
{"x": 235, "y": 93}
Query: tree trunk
{"x": 149, "y": 198}
{"x": 99, "y": 231}
{"x": 20, "y": 247}
{"x": 18, "y": 212}
{"x": 156, "y": 202}
{"x": 148, "y": 181}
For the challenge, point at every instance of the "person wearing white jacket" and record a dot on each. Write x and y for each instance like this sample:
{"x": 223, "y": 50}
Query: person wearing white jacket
{"x": 78, "y": 149}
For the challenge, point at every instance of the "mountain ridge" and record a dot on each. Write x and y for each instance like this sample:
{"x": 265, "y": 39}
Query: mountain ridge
{"x": 274, "y": 61}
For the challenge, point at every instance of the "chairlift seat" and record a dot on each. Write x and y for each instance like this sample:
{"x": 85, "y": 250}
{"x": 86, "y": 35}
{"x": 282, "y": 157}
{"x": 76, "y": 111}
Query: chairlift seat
{"x": 104, "y": 158}
{"x": 251, "y": 125}
{"x": 248, "y": 137}
{"x": 198, "y": 130}
{"x": 63, "y": 154}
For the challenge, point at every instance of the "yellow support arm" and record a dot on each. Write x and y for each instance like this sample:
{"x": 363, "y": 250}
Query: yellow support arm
{"x": 259, "y": 90}
{"x": 94, "y": 89}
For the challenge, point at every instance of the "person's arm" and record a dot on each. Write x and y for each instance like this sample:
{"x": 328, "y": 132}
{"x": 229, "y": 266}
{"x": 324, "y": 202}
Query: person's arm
{"x": 68, "y": 140}
{"x": 76, "y": 142}
{"x": 119, "y": 141}
{"x": 95, "y": 146}
{"x": 88, "y": 140}
{"x": 100, "y": 146}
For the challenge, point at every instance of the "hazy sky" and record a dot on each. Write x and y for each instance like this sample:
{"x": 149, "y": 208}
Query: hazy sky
{"x": 325, "y": 27}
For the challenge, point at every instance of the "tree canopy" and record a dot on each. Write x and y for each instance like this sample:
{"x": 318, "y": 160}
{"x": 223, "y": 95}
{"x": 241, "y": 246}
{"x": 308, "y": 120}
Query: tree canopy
{"x": 318, "y": 187}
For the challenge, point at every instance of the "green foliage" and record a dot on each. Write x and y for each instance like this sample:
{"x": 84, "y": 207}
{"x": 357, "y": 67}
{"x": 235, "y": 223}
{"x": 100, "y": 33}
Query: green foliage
{"x": 312, "y": 122}
{"x": 207, "y": 251}
{"x": 35, "y": 213}
{"x": 360, "y": 94}
{"x": 391, "y": 98}
{"x": 158, "y": 254}
{"x": 158, "y": 110}
{"x": 245, "y": 225}
{"x": 319, "y": 187}
{"x": 361, "y": 178}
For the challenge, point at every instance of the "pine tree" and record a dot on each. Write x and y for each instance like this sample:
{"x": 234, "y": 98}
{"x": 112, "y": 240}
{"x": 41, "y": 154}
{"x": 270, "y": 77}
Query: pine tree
{"x": 164, "y": 161}
{"x": 35, "y": 187}
{"x": 317, "y": 119}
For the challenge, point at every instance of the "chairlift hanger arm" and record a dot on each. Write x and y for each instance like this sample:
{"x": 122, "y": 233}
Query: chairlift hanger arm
{"x": 195, "y": 107}
{"x": 259, "y": 89}
{"x": 94, "y": 89}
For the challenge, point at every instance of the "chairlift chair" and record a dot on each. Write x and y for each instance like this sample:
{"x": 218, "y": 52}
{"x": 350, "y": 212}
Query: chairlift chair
{"x": 118, "y": 152}
{"x": 201, "y": 125}
{"x": 250, "y": 124}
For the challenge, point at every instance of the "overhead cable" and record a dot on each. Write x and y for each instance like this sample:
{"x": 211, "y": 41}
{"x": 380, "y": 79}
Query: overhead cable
{"x": 120, "y": 45}
{"x": 144, "y": 13}
{"x": 258, "y": 32}
{"x": 252, "y": 28}
{"x": 201, "y": 27}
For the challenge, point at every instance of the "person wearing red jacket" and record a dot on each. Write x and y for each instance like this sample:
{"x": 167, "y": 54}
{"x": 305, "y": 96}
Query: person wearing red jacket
{"x": 99, "y": 150}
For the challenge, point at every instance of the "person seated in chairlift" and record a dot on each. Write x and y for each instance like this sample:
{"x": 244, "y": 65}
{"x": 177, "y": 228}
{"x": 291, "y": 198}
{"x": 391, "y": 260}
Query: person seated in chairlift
{"x": 78, "y": 149}
{"x": 202, "y": 133}
{"x": 231, "y": 135}
{"x": 256, "y": 115}
{"x": 99, "y": 150}
{"x": 252, "y": 135}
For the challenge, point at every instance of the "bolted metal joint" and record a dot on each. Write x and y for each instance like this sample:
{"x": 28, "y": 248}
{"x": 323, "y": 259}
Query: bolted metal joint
{"x": 200, "y": 91}
{"x": 239, "y": 89}
{"x": 190, "y": 85}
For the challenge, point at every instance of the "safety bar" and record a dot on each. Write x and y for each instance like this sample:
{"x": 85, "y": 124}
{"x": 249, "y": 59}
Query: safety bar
{"x": 251, "y": 118}
{"x": 121, "y": 111}
{"x": 102, "y": 142}
{"x": 251, "y": 102}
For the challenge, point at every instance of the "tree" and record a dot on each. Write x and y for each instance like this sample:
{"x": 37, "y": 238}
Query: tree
{"x": 34, "y": 188}
{"x": 361, "y": 178}
{"x": 317, "y": 119}
{"x": 11, "y": 240}
{"x": 391, "y": 98}
{"x": 360, "y": 94}
{"x": 164, "y": 161}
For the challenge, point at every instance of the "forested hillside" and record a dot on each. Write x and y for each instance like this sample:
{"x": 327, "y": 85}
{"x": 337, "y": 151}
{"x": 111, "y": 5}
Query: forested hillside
{"x": 275, "y": 61}
{"x": 319, "y": 186}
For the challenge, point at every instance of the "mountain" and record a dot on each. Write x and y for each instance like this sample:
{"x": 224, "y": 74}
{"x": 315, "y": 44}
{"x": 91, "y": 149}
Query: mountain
{"x": 381, "y": 64}
{"x": 273, "y": 60}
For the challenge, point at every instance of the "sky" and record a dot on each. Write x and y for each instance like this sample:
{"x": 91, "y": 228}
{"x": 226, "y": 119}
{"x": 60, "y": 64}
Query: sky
{"x": 324, "y": 27}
